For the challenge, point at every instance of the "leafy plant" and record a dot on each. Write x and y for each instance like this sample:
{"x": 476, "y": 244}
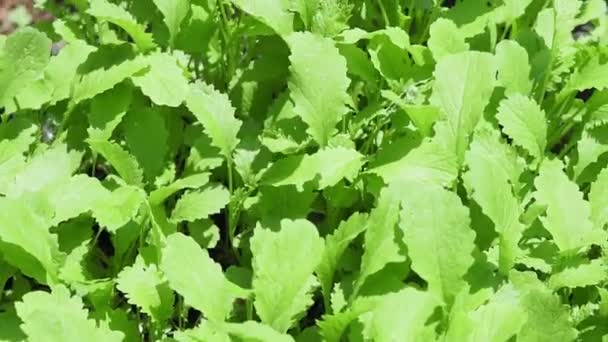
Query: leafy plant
{"x": 305, "y": 170}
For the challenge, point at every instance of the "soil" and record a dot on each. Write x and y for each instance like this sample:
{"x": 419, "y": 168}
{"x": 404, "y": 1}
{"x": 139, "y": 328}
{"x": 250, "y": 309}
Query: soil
{"x": 7, "y": 5}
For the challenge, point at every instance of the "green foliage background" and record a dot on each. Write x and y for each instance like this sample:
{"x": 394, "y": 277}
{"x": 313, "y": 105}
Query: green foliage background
{"x": 305, "y": 170}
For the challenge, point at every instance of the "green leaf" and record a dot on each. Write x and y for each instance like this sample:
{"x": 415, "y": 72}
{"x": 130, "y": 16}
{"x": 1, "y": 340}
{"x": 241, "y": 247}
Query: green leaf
{"x": 513, "y": 68}
{"x": 52, "y": 166}
{"x": 147, "y": 137}
{"x": 501, "y": 318}
{"x": 119, "y": 208}
{"x": 23, "y": 58}
{"x": 593, "y": 75}
{"x": 300, "y": 169}
{"x": 107, "y": 111}
{"x": 191, "y": 182}
{"x": 58, "y": 317}
{"x": 428, "y": 162}
{"x": 445, "y": 39}
{"x": 318, "y": 83}
{"x": 206, "y": 289}
{"x": 174, "y": 12}
{"x": 587, "y": 274}
{"x": 214, "y": 110}
{"x": 597, "y": 199}
{"x": 524, "y": 121}
{"x": 335, "y": 245}
{"x": 401, "y": 316}
{"x": 489, "y": 178}
{"x": 25, "y": 239}
{"x": 568, "y": 214}
{"x": 9, "y": 327}
{"x": 463, "y": 85}
{"x": 252, "y": 331}
{"x": 145, "y": 287}
{"x": 332, "y": 327}
{"x": 165, "y": 83}
{"x": 548, "y": 318}
{"x": 283, "y": 263}
{"x": 381, "y": 244}
{"x": 101, "y": 80}
{"x": 274, "y": 13}
{"x": 434, "y": 219}
{"x": 109, "y": 12}
{"x": 124, "y": 163}
{"x": 62, "y": 70}
{"x": 196, "y": 205}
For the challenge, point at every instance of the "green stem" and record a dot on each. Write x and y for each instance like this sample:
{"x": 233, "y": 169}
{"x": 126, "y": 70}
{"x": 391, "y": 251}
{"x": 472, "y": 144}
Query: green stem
{"x": 249, "y": 309}
{"x": 384, "y": 15}
{"x": 543, "y": 85}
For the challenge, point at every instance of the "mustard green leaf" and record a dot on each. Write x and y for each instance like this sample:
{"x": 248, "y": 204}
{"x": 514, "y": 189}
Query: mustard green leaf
{"x": 145, "y": 287}
{"x": 524, "y": 121}
{"x": 434, "y": 219}
{"x": 445, "y": 39}
{"x": 112, "y": 13}
{"x": 489, "y": 180}
{"x": 174, "y": 13}
{"x": 164, "y": 83}
{"x": 568, "y": 214}
{"x": 275, "y": 14}
{"x": 283, "y": 265}
{"x": 202, "y": 284}
{"x": 214, "y": 110}
{"x": 513, "y": 68}
{"x": 597, "y": 199}
{"x": 191, "y": 182}
{"x": 587, "y": 274}
{"x": 199, "y": 204}
{"x": 125, "y": 164}
{"x": 335, "y": 245}
{"x": 428, "y": 162}
{"x": 318, "y": 83}
{"x": 23, "y": 58}
{"x": 381, "y": 243}
{"x": 463, "y": 85}
{"x": 57, "y": 316}
{"x": 401, "y": 316}
{"x": 101, "y": 80}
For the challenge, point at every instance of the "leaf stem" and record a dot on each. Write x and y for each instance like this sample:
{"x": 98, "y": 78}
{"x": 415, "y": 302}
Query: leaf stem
{"x": 384, "y": 15}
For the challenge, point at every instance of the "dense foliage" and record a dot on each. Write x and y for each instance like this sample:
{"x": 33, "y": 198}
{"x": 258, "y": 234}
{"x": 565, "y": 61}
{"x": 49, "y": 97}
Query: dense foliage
{"x": 308, "y": 170}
